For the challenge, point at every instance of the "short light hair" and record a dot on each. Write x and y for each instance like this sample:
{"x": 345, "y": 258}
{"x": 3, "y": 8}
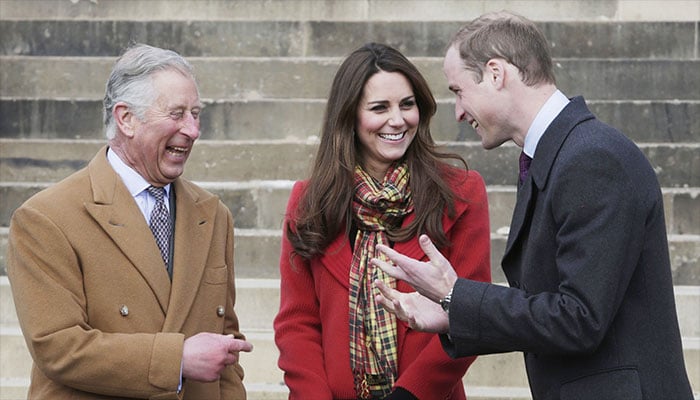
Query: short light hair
{"x": 130, "y": 81}
{"x": 509, "y": 36}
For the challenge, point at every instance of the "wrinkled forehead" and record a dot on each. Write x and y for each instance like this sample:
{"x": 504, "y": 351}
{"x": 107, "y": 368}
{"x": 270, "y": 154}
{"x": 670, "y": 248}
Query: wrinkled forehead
{"x": 174, "y": 88}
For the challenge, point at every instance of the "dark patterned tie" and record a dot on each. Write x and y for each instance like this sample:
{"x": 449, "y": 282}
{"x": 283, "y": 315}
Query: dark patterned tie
{"x": 160, "y": 222}
{"x": 525, "y": 161}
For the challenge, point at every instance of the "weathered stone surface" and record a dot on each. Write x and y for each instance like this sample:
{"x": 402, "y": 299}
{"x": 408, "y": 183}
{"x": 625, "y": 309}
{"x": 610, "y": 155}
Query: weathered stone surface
{"x": 197, "y": 38}
{"x": 265, "y": 69}
{"x": 236, "y": 78}
{"x": 630, "y": 79}
{"x": 351, "y": 10}
{"x": 334, "y": 10}
{"x": 686, "y": 218}
{"x": 684, "y": 252}
{"x": 51, "y": 119}
{"x": 189, "y": 38}
{"x": 652, "y": 121}
{"x": 236, "y": 161}
{"x": 642, "y": 121}
{"x": 258, "y": 212}
{"x": 226, "y": 161}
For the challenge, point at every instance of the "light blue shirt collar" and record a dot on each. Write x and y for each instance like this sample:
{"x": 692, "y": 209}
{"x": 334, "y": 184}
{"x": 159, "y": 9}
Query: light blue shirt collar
{"x": 551, "y": 108}
{"x": 135, "y": 184}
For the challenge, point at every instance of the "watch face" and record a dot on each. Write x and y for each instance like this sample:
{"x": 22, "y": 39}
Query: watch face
{"x": 445, "y": 303}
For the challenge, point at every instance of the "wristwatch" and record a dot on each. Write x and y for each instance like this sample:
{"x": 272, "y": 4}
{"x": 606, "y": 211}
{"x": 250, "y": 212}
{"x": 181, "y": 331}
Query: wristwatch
{"x": 445, "y": 302}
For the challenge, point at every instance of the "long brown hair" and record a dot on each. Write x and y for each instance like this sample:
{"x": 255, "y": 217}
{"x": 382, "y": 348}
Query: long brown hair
{"x": 325, "y": 207}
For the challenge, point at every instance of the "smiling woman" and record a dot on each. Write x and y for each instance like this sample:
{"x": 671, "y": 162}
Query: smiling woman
{"x": 387, "y": 121}
{"x": 377, "y": 179}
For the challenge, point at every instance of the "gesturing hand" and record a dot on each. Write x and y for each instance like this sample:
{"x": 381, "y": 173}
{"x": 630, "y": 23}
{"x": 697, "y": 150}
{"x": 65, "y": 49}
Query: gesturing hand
{"x": 432, "y": 279}
{"x": 205, "y": 355}
{"x": 419, "y": 312}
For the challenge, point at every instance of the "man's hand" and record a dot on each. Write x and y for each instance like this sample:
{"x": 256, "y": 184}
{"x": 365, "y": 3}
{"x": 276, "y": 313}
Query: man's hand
{"x": 432, "y": 279}
{"x": 419, "y": 312}
{"x": 205, "y": 355}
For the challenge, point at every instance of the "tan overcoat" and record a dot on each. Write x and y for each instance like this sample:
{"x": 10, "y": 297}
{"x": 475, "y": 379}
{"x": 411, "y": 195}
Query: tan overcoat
{"x": 98, "y": 311}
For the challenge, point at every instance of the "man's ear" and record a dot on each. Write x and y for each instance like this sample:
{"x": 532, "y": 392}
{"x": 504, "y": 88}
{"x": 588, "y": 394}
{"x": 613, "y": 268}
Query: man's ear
{"x": 124, "y": 118}
{"x": 495, "y": 72}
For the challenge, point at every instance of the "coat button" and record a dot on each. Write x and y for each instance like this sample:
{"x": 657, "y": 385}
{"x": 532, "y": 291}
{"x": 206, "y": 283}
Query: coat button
{"x": 124, "y": 310}
{"x": 220, "y": 311}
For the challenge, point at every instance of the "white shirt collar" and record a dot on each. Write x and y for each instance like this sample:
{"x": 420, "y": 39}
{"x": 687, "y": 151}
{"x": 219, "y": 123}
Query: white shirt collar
{"x": 551, "y": 108}
{"x": 133, "y": 181}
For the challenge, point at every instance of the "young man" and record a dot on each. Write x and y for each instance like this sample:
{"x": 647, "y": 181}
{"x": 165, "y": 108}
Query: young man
{"x": 590, "y": 301}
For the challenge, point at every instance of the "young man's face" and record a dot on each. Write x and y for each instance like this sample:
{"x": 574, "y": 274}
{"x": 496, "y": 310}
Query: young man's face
{"x": 476, "y": 103}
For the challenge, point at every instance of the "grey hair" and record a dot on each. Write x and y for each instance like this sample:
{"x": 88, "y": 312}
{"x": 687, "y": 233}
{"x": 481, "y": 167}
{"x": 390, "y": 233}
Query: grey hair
{"x": 130, "y": 81}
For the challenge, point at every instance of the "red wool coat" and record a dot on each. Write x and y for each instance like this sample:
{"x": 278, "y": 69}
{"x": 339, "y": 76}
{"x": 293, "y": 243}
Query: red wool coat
{"x": 312, "y": 328}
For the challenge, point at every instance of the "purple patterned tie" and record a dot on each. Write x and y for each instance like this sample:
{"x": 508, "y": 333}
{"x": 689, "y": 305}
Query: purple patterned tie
{"x": 525, "y": 161}
{"x": 160, "y": 222}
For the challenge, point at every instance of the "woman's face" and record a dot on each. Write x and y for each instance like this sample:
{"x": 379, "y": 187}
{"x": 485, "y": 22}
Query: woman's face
{"x": 387, "y": 121}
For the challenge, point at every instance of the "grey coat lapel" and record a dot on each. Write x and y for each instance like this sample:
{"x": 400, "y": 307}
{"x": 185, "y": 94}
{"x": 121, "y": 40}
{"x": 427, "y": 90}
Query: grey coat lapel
{"x": 543, "y": 163}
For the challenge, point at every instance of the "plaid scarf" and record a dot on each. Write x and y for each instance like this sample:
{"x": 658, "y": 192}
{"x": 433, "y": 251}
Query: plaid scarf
{"x": 377, "y": 206}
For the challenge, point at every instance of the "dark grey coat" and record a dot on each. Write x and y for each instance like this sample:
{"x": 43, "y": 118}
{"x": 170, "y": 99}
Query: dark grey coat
{"x": 591, "y": 299}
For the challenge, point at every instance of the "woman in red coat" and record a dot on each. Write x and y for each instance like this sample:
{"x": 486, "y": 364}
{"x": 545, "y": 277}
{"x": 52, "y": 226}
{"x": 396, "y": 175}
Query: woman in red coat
{"x": 377, "y": 178}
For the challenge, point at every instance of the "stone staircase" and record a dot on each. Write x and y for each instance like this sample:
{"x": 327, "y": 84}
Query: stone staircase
{"x": 264, "y": 69}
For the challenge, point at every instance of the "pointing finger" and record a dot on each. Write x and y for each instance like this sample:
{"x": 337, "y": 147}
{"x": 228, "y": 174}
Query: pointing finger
{"x": 401, "y": 262}
{"x": 436, "y": 258}
{"x": 239, "y": 345}
{"x": 388, "y": 268}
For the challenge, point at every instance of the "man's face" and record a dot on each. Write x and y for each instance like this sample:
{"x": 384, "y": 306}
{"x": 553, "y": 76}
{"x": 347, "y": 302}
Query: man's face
{"x": 476, "y": 103}
{"x": 162, "y": 142}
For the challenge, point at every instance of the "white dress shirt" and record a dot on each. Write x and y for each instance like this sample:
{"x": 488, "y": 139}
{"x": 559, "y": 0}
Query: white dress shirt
{"x": 551, "y": 108}
{"x": 136, "y": 185}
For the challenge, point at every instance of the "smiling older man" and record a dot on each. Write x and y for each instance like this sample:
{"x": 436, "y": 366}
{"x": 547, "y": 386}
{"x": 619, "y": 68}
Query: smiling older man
{"x": 122, "y": 274}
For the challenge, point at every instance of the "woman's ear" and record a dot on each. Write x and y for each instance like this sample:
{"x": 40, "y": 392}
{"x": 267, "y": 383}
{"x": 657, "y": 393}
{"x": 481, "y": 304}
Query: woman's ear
{"x": 124, "y": 118}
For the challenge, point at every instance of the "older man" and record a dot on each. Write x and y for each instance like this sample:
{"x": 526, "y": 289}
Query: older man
{"x": 122, "y": 274}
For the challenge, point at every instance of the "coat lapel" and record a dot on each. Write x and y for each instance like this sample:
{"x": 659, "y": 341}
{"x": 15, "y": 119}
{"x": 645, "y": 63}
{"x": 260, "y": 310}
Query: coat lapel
{"x": 337, "y": 257}
{"x": 542, "y": 163}
{"x": 522, "y": 205}
{"x": 194, "y": 227}
{"x": 115, "y": 210}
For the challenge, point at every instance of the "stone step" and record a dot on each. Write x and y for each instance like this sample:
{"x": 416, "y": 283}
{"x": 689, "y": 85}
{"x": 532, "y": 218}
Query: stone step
{"x": 255, "y": 78}
{"x": 42, "y": 160}
{"x": 348, "y": 10}
{"x": 257, "y": 254}
{"x": 260, "y": 297}
{"x": 261, "y": 204}
{"x": 49, "y": 117}
{"x": 324, "y": 38}
{"x": 261, "y": 365}
{"x": 257, "y": 302}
